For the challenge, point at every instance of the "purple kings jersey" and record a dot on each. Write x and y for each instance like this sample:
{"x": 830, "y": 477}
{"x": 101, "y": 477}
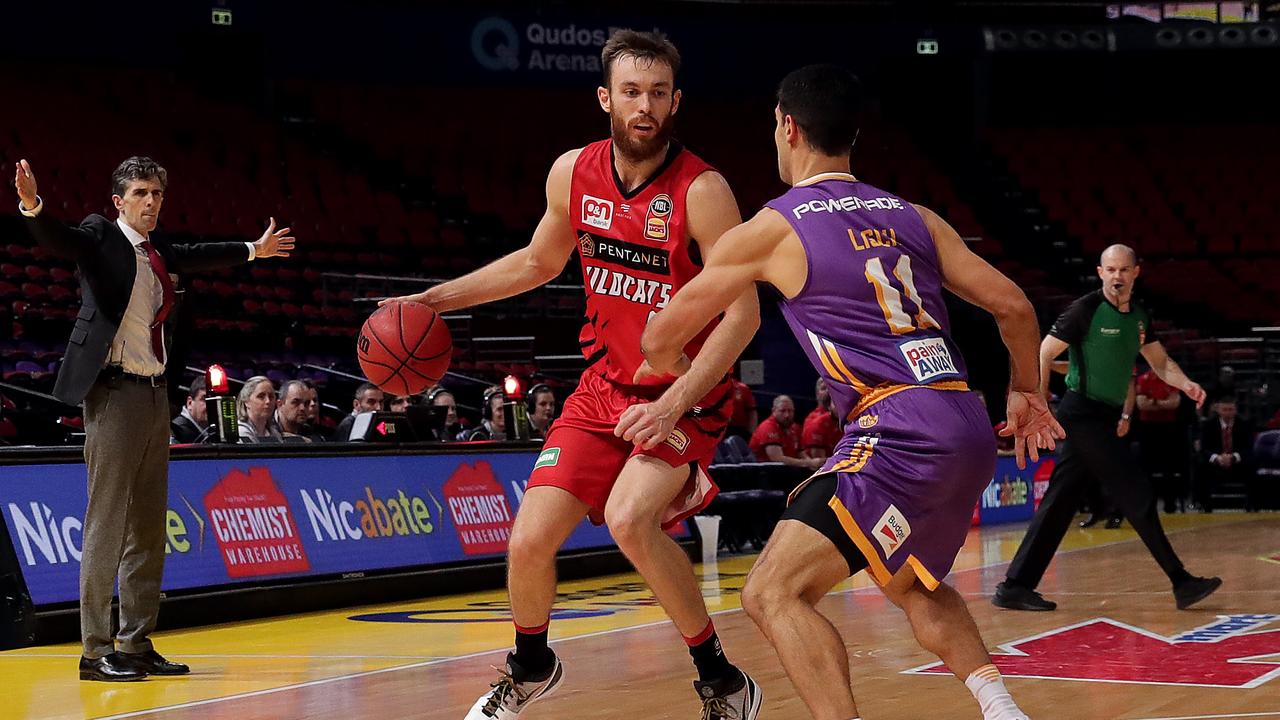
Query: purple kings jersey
{"x": 871, "y": 316}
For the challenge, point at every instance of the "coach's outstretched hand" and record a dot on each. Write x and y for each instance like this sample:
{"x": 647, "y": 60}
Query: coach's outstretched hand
{"x": 1032, "y": 426}
{"x": 273, "y": 243}
{"x": 25, "y": 181}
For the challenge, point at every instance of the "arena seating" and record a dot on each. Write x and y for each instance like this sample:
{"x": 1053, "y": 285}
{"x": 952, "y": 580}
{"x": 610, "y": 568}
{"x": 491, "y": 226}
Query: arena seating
{"x": 1195, "y": 201}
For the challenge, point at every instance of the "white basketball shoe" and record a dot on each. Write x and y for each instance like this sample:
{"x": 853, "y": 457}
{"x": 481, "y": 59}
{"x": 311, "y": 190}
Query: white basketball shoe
{"x": 511, "y": 695}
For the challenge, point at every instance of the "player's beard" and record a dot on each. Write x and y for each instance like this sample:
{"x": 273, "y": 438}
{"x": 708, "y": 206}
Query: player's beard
{"x": 637, "y": 149}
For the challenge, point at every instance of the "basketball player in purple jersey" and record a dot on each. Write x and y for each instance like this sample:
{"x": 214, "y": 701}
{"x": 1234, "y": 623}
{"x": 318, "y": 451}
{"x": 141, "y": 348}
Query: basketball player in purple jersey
{"x": 862, "y": 273}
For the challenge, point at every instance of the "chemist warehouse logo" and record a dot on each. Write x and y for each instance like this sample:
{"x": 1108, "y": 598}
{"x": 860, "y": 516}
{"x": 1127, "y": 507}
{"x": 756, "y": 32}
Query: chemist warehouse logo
{"x": 478, "y": 504}
{"x": 254, "y": 528}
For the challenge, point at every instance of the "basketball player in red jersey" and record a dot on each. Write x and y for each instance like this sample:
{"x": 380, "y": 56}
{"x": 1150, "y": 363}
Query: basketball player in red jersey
{"x": 640, "y": 211}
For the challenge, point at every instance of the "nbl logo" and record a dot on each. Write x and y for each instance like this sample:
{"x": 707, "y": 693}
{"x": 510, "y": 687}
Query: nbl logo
{"x": 655, "y": 224}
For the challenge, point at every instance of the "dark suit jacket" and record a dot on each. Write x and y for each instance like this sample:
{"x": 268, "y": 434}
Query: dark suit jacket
{"x": 1241, "y": 439}
{"x": 107, "y": 264}
{"x": 183, "y": 430}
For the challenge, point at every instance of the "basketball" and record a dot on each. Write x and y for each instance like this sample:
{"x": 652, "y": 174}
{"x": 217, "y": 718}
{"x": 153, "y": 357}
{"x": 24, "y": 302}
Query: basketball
{"x": 404, "y": 348}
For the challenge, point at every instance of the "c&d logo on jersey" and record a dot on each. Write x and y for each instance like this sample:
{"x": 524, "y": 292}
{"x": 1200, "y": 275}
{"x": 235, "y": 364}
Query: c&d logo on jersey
{"x": 253, "y": 525}
{"x": 596, "y": 212}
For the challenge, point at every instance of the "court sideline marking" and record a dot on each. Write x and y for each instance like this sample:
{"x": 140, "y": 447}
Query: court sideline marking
{"x": 413, "y": 666}
{"x": 1211, "y": 716}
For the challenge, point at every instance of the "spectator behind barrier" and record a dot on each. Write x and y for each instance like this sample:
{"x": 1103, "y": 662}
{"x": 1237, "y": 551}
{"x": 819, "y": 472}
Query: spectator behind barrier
{"x": 368, "y": 398}
{"x": 821, "y": 429}
{"x": 1226, "y": 451}
{"x": 777, "y": 439}
{"x": 744, "y": 420}
{"x": 1163, "y": 435}
{"x": 255, "y": 408}
{"x": 191, "y": 421}
{"x": 438, "y": 396}
{"x": 542, "y": 410}
{"x": 494, "y": 426}
{"x": 293, "y": 415}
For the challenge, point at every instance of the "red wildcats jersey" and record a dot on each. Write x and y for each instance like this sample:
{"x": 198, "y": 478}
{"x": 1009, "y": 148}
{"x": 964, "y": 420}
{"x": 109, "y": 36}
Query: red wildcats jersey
{"x": 636, "y": 254}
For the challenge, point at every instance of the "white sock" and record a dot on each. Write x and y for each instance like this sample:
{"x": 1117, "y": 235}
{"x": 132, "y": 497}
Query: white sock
{"x": 993, "y": 697}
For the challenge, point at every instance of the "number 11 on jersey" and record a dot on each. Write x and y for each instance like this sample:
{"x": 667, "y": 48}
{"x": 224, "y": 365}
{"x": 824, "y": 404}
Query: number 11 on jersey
{"x": 890, "y": 299}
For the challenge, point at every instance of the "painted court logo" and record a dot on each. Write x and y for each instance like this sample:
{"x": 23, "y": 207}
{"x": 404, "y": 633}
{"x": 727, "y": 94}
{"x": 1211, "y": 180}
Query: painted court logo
{"x": 1234, "y": 651}
{"x": 255, "y": 530}
{"x": 892, "y": 529}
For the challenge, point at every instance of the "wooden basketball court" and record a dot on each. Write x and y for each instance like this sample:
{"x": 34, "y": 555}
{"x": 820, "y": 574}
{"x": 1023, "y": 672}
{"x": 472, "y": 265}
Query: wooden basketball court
{"x": 1116, "y": 649}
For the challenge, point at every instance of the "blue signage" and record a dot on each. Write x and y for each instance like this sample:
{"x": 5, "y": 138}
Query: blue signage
{"x": 245, "y": 520}
{"x": 1013, "y": 495}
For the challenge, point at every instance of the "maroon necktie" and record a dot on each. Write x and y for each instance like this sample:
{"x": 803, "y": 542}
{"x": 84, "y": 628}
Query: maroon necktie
{"x": 166, "y": 304}
{"x": 1226, "y": 439}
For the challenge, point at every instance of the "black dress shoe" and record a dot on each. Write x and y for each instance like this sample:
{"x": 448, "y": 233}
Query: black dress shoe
{"x": 1115, "y": 522}
{"x": 112, "y": 667}
{"x": 1089, "y": 521}
{"x": 1013, "y": 597}
{"x": 153, "y": 663}
{"x": 1191, "y": 591}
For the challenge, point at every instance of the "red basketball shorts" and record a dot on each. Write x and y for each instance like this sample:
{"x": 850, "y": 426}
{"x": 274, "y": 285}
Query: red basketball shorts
{"x": 583, "y": 457}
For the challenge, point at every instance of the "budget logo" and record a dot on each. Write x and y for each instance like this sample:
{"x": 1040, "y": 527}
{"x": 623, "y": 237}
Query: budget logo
{"x": 891, "y": 531}
{"x": 254, "y": 528}
{"x": 596, "y": 212}
{"x": 479, "y": 508}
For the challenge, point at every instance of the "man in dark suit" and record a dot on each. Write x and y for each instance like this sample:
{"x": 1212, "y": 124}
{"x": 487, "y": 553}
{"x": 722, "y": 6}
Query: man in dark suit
{"x": 1226, "y": 451}
{"x": 368, "y": 398}
{"x": 115, "y": 365}
{"x": 189, "y": 424}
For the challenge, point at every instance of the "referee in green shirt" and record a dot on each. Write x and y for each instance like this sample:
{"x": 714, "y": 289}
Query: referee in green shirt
{"x": 1104, "y": 331}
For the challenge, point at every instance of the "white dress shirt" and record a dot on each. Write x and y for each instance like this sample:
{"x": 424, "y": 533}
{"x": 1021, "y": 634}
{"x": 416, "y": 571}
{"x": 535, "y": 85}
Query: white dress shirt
{"x": 1224, "y": 427}
{"x": 131, "y": 347}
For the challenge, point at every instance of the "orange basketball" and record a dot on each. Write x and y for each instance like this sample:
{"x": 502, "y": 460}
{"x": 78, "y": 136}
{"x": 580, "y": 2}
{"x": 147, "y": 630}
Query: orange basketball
{"x": 404, "y": 348}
